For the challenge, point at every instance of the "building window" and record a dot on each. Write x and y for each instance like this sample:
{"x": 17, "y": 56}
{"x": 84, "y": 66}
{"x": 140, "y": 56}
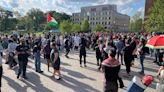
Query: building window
{"x": 109, "y": 18}
{"x": 93, "y": 18}
{"x": 104, "y": 8}
{"x": 105, "y": 23}
{"x": 102, "y": 23}
{"x": 93, "y": 9}
{"x": 109, "y": 23}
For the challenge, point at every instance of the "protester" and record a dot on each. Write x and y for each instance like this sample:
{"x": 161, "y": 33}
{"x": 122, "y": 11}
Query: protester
{"x": 1, "y": 72}
{"x": 67, "y": 46}
{"x": 47, "y": 51}
{"x": 142, "y": 52}
{"x": 76, "y": 42}
{"x": 83, "y": 51}
{"x": 101, "y": 46}
{"x": 36, "y": 53}
{"x": 55, "y": 59}
{"x": 11, "y": 50}
{"x": 23, "y": 52}
{"x": 98, "y": 54}
{"x": 160, "y": 75}
{"x": 111, "y": 68}
{"x": 128, "y": 57}
{"x": 120, "y": 46}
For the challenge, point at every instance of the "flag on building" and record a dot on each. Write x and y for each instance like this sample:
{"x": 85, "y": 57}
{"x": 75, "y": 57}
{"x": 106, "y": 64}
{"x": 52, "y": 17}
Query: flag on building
{"x": 51, "y": 21}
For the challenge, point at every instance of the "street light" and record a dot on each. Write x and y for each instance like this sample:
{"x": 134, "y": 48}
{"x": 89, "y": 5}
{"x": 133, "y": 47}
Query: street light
{"x": 34, "y": 18}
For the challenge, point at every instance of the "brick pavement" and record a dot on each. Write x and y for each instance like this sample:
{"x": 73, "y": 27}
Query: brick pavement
{"x": 75, "y": 78}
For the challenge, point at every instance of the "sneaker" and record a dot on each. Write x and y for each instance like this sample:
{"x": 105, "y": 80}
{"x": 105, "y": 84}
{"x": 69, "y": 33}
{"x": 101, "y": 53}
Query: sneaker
{"x": 18, "y": 76}
{"x": 80, "y": 65}
{"x": 85, "y": 65}
{"x": 122, "y": 86}
{"x": 98, "y": 64}
{"x": 66, "y": 56}
{"x": 24, "y": 77}
{"x": 40, "y": 72}
{"x": 59, "y": 78}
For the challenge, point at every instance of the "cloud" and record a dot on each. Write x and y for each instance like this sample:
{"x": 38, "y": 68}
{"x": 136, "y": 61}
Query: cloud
{"x": 68, "y": 6}
{"x": 127, "y": 10}
{"x": 141, "y": 9}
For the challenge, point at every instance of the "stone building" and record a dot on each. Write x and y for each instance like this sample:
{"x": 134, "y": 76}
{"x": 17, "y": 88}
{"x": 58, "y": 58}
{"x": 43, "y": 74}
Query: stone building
{"x": 105, "y": 15}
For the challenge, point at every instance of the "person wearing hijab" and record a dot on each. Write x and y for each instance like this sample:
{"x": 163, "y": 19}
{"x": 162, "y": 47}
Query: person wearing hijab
{"x": 111, "y": 68}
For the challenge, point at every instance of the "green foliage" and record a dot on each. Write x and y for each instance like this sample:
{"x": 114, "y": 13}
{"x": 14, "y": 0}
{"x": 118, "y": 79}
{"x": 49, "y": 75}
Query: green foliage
{"x": 6, "y": 23}
{"x": 76, "y": 28}
{"x": 66, "y": 26}
{"x": 85, "y": 26}
{"x": 155, "y": 21}
{"x": 98, "y": 28}
{"x": 136, "y": 22}
{"x": 35, "y": 18}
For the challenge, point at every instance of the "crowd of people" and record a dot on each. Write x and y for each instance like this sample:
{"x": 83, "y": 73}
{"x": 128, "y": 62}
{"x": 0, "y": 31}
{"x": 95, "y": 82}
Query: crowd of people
{"x": 111, "y": 51}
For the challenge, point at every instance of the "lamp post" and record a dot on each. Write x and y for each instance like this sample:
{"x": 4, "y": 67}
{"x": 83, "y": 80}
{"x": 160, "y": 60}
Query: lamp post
{"x": 34, "y": 18}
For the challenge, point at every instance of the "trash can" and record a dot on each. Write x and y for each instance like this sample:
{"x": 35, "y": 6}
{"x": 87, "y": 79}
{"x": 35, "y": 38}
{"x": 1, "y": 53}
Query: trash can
{"x": 136, "y": 85}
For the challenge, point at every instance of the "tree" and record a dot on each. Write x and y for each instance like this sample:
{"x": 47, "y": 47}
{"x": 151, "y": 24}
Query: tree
{"x": 155, "y": 20}
{"x": 76, "y": 28}
{"x": 6, "y": 20}
{"x": 35, "y": 18}
{"x": 65, "y": 26}
{"x": 136, "y": 22}
{"x": 85, "y": 26}
{"x": 98, "y": 28}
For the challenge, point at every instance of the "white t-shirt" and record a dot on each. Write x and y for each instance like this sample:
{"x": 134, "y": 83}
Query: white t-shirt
{"x": 12, "y": 47}
{"x": 76, "y": 40}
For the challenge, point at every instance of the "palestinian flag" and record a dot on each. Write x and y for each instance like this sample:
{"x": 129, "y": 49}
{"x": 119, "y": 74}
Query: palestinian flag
{"x": 51, "y": 21}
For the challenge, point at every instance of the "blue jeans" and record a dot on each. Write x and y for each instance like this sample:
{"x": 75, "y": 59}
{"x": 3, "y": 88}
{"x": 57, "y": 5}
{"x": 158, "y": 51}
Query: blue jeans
{"x": 142, "y": 57}
{"x": 22, "y": 68}
{"x": 37, "y": 61}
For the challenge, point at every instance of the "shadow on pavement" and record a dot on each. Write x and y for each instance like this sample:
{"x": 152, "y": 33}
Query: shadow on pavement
{"x": 73, "y": 84}
{"x": 34, "y": 82}
{"x": 76, "y": 85}
{"x": 76, "y": 74}
{"x": 17, "y": 87}
{"x": 93, "y": 69}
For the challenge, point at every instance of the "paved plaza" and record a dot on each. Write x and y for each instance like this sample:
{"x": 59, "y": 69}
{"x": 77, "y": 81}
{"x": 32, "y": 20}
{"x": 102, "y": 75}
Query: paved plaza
{"x": 75, "y": 78}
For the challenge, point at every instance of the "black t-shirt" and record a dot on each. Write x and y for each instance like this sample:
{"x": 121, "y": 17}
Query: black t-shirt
{"x": 22, "y": 48}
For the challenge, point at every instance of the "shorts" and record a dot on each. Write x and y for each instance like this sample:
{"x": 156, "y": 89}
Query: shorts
{"x": 56, "y": 65}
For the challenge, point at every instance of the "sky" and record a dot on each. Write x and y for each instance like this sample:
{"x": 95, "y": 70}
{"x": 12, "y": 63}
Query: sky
{"x": 129, "y": 7}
